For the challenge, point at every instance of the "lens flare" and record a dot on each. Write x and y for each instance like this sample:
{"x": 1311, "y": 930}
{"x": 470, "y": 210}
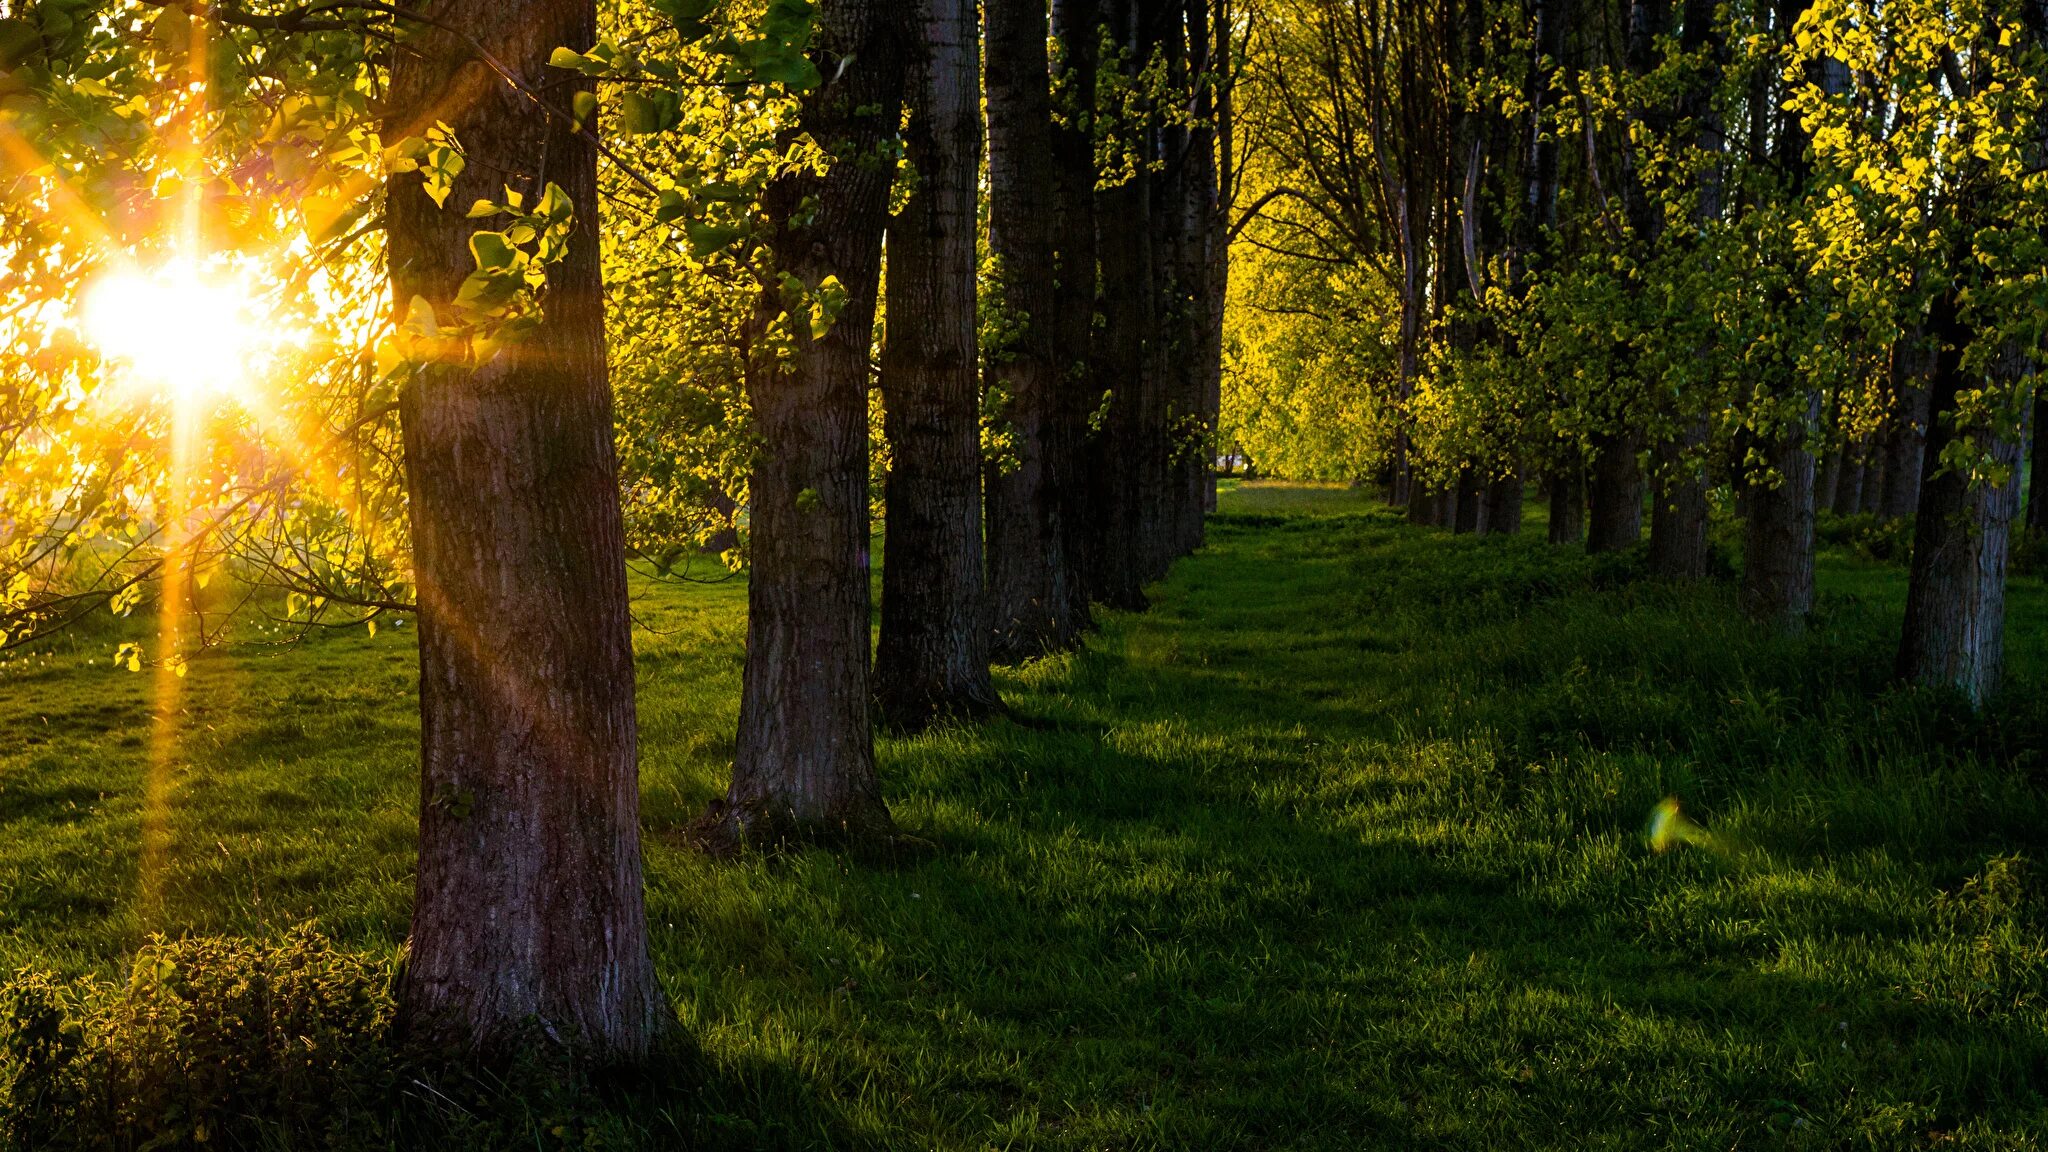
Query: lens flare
{"x": 189, "y": 331}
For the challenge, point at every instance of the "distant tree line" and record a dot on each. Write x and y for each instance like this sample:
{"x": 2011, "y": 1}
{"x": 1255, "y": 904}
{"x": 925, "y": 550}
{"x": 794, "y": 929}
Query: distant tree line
{"x": 1648, "y": 252}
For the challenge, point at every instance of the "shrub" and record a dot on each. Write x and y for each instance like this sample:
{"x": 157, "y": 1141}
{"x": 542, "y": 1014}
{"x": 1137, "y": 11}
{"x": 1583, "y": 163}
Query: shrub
{"x": 216, "y": 1042}
{"x": 1867, "y": 536}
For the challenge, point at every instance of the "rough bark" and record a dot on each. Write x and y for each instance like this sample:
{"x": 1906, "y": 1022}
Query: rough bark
{"x": 1615, "y": 519}
{"x": 805, "y": 766}
{"x": 1567, "y": 505}
{"x": 932, "y": 657}
{"x": 1777, "y": 574}
{"x": 1954, "y": 634}
{"x": 528, "y": 914}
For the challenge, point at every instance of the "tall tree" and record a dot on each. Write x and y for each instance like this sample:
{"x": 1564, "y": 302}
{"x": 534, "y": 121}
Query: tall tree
{"x": 1778, "y": 534}
{"x": 805, "y": 761}
{"x": 528, "y": 911}
{"x": 1678, "y": 513}
{"x": 933, "y": 654}
{"x": 1078, "y": 32}
{"x": 1031, "y": 566}
{"x": 1120, "y": 454}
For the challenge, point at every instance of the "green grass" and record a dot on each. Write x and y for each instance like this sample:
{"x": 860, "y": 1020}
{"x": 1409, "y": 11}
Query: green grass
{"x": 1340, "y": 846}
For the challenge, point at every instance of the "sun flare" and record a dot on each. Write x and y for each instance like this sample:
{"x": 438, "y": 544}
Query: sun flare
{"x": 184, "y": 329}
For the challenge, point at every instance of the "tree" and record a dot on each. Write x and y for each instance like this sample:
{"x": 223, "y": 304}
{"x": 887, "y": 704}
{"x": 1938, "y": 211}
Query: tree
{"x": 1122, "y": 454}
{"x": 1031, "y": 568}
{"x": 1778, "y": 533}
{"x": 1937, "y": 126}
{"x": 933, "y": 654}
{"x": 528, "y": 912}
{"x": 804, "y": 766}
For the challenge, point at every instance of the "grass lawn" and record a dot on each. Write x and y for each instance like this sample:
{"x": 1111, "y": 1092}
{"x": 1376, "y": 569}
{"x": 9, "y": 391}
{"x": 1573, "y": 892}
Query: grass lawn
{"x": 1340, "y": 846}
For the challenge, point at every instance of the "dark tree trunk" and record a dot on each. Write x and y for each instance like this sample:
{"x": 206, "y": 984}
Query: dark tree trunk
{"x": 1504, "y": 506}
{"x": 1954, "y": 634}
{"x": 1029, "y": 569}
{"x": 1849, "y": 491}
{"x": 1616, "y": 520}
{"x": 1777, "y": 541}
{"x": 1875, "y": 461}
{"x": 1568, "y": 505}
{"x": 1678, "y": 518}
{"x": 1121, "y": 455}
{"x": 1907, "y": 442}
{"x": 1073, "y": 147}
{"x": 805, "y": 763}
{"x": 1471, "y": 510}
{"x": 1203, "y": 274}
{"x": 528, "y": 914}
{"x": 1217, "y": 108}
{"x": 1828, "y": 485}
{"x": 2037, "y": 481}
{"x": 1425, "y": 504}
{"x": 1169, "y": 363}
{"x": 932, "y": 656}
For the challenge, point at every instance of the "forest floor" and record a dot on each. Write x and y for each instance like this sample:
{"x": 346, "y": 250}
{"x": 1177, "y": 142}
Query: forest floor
{"x": 1339, "y": 846}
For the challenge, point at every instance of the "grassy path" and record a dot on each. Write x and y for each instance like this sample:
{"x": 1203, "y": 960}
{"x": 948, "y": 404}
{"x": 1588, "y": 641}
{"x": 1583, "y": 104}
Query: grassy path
{"x": 1340, "y": 846}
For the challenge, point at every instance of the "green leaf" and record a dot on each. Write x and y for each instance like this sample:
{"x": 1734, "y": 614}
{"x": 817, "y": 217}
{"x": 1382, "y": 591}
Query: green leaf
{"x": 583, "y": 106}
{"x": 691, "y": 17}
{"x": 482, "y": 209}
{"x": 672, "y": 206}
{"x": 494, "y": 251}
{"x": 708, "y": 238}
{"x": 486, "y": 291}
{"x": 656, "y": 110}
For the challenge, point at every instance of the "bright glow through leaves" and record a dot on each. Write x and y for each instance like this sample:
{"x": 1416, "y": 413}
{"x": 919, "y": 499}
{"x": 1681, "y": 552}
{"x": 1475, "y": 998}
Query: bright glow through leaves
{"x": 183, "y": 329}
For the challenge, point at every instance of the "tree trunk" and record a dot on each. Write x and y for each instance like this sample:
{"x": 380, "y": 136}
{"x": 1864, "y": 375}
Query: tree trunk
{"x": 1907, "y": 442}
{"x": 1470, "y": 514}
{"x": 1828, "y": 483}
{"x": 932, "y": 656}
{"x": 1217, "y": 108}
{"x": 1849, "y": 491}
{"x": 1568, "y": 505}
{"x": 528, "y": 914}
{"x": 1616, "y": 520}
{"x": 2037, "y": 482}
{"x": 1875, "y": 461}
{"x": 1954, "y": 634}
{"x": 805, "y": 763}
{"x": 1027, "y": 534}
{"x": 1121, "y": 451}
{"x": 1777, "y": 575}
{"x": 1504, "y": 505}
{"x": 1678, "y": 518}
{"x": 1073, "y": 148}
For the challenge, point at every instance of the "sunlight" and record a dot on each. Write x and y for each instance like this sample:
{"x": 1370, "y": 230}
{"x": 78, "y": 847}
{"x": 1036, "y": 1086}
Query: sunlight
{"x": 186, "y": 330}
